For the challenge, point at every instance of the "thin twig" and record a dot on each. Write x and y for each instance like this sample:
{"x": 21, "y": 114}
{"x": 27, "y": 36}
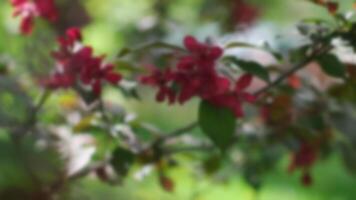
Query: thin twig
{"x": 181, "y": 131}
{"x": 36, "y": 109}
{"x": 294, "y": 69}
{"x": 174, "y": 134}
{"x": 42, "y": 101}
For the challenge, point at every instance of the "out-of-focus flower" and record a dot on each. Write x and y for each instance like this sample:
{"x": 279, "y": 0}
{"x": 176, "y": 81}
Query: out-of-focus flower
{"x": 304, "y": 159}
{"x": 76, "y": 63}
{"x": 244, "y": 13}
{"x": 236, "y": 97}
{"x": 196, "y": 75}
{"x": 28, "y": 10}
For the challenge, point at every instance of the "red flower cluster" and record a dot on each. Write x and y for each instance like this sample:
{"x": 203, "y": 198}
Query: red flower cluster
{"x": 233, "y": 99}
{"x": 30, "y": 9}
{"x": 163, "y": 80}
{"x": 196, "y": 75}
{"x": 244, "y": 13}
{"x": 304, "y": 159}
{"x": 76, "y": 62}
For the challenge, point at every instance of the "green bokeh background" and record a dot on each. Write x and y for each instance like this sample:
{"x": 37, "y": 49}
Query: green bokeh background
{"x": 108, "y": 32}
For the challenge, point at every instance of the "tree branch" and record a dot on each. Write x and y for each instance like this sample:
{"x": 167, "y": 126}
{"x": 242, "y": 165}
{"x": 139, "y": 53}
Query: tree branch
{"x": 294, "y": 69}
{"x": 175, "y": 133}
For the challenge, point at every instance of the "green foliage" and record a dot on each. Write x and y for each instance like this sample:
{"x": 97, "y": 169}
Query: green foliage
{"x": 217, "y": 123}
{"x": 332, "y": 66}
{"x": 122, "y": 159}
{"x": 300, "y": 114}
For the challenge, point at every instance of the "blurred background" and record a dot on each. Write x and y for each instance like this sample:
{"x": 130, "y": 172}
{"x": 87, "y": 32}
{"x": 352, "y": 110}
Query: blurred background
{"x": 112, "y": 25}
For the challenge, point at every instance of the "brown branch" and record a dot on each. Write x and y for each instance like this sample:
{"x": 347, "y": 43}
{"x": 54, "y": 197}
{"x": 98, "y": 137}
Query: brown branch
{"x": 294, "y": 69}
{"x": 174, "y": 134}
{"x": 32, "y": 119}
{"x": 180, "y": 131}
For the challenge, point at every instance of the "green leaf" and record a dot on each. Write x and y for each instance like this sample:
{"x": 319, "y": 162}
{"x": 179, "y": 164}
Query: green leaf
{"x": 332, "y": 66}
{"x": 217, "y": 123}
{"x": 122, "y": 159}
{"x": 251, "y": 67}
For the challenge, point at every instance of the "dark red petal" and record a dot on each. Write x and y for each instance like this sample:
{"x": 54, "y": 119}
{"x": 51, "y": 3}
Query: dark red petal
{"x": 27, "y": 25}
{"x": 47, "y": 9}
{"x": 85, "y": 52}
{"x": 244, "y": 13}
{"x": 248, "y": 97}
{"x": 74, "y": 34}
{"x": 96, "y": 87}
{"x": 113, "y": 78}
{"x": 223, "y": 85}
{"x": 186, "y": 63}
{"x": 243, "y": 82}
{"x": 18, "y": 2}
{"x": 187, "y": 92}
{"x": 160, "y": 96}
{"x": 191, "y": 43}
{"x": 85, "y": 77}
{"x": 238, "y": 111}
{"x": 216, "y": 52}
{"x": 148, "y": 80}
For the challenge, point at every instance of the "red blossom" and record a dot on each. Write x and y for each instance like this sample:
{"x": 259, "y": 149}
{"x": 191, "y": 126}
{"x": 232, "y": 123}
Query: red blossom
{"x": 243, "y": 13}
{"x": 76, "y": 63}
{"x": 304, "y": 159}
{"x": 236, "y": 97}
{"x": 195, "y": 75}
{"x": 163, "y": 80}
{"x": 28, "y": 10}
